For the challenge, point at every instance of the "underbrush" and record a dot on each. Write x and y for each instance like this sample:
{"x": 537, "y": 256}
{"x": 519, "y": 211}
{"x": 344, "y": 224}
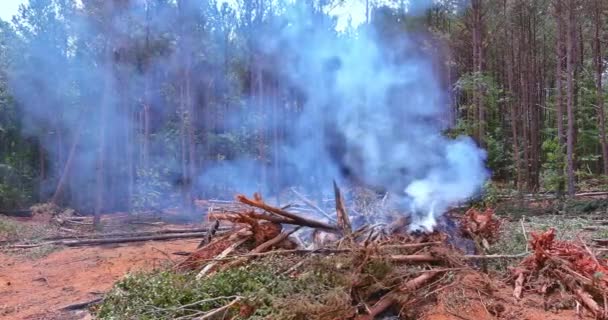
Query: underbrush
{"x": 9, "y": 229}
{"x": 274, "y": 287}
{"x": 12, "y": 230}
{"x": 265, "y": 288}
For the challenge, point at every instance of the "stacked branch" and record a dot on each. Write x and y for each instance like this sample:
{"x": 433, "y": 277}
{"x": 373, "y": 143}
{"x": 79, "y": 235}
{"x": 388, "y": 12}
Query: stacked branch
{"x": 573, "y": 266}
{"x": 260, "y": 230}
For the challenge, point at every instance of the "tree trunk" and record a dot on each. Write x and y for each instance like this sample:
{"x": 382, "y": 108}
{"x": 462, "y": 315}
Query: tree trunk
{"x": 570, "y": 97}
{"x": 513, "y": 103}
{"x": 100, "y": 172}
{"x": 599, "y": 69}
{"x": 68, "y": 166}
{"x": 477, "y": 68}
{"x": 559, "y": 51}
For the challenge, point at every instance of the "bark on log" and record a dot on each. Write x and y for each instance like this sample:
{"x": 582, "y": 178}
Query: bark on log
{"x": 124, "y": 234}
{"x": 92, "y": 242}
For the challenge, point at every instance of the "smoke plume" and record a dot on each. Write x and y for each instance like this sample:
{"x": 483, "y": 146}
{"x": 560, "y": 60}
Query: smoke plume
{"x": 374, "y": 110}
{"x": 366, "y": 104}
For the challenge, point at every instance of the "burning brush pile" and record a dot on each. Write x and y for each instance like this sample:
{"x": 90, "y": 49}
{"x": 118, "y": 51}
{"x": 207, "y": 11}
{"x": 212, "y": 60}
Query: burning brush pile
{"x": 278, "y": 263}
{"x": 321, "y": 269}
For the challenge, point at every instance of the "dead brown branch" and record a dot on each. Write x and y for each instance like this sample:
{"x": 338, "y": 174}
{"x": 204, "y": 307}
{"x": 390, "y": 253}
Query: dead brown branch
{"x": 295, "y": 219}
{"x": 391, "y": 298}
{"x": 343, "y": 219}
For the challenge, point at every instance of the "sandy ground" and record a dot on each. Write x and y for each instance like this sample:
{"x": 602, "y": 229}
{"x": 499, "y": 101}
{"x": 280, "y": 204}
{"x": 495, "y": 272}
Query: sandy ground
{"x": 37, "y": 289}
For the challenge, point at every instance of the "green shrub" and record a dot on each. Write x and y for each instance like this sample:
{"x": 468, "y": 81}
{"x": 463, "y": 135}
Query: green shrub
{"x": 164, "y": 294}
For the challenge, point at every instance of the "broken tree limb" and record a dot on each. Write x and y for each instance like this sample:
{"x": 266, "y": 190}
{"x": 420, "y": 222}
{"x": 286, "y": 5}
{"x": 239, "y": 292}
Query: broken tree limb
{"x": 233, "y": 216}
{"x": 414, "y": 258}
{"x": 343, "y": 220}
{"x": 494, "y": 256}
{"x": 92, "y": 242}
{"x": 217, "y": 311}
{"x": 601, "y": 242}
{"x": 297, "y": 220}
{"x": 261, "y": 248}
{"x": 588, "y": 302}
{"x": 410, "y": 245}
{"x": 81, "y": 305}
{"x": 212, "y": 230}
{"x": 391, "y": 298}
{"x": 209, "y": 267}
{"x": 312, "y": 204}
{"x": 519, "y": 285}
{"x": 425, "y": 258}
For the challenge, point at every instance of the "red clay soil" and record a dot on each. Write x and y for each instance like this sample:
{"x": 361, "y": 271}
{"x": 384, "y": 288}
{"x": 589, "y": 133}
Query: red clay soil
{"x": 474, "y": 296}
{"x": 37, "y": 289}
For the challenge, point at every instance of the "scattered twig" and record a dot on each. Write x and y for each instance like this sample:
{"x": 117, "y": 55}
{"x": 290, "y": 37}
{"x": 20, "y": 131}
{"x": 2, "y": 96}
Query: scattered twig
{"x": 164, "y": 253}
{"x": 219, "y": 310}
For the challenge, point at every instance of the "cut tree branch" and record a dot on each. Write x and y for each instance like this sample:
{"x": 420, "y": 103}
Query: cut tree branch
{"x": 297, "y": 220}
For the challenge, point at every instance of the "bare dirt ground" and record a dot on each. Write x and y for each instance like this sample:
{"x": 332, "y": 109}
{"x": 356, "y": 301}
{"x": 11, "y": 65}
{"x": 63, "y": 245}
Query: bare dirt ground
{"x": 38, "y": 288}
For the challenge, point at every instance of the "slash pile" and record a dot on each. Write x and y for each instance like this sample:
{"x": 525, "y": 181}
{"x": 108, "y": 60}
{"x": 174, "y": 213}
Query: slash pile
{"x": 557, "y": 265}
{"x": 387, "y": 271}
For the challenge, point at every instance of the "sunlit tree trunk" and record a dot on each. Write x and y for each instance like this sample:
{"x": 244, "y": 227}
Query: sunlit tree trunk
{"x": 570, "y": 47}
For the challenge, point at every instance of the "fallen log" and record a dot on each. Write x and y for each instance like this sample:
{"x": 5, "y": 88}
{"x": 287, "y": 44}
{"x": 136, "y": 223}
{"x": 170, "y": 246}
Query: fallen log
{"x": 81, "y": 305}
{"x": 124, "y": 234}
{"x": 92, "y": 242}
{"x": 17, "y": 213}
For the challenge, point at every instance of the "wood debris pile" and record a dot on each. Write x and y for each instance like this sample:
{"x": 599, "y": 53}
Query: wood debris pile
{"x": 481, "y": 225}
{"x": 422, "y": 261}
{"x": 557, "y": 265}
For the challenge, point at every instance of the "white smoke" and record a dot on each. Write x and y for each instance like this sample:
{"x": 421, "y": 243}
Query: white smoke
{"x": 373, "y": 104}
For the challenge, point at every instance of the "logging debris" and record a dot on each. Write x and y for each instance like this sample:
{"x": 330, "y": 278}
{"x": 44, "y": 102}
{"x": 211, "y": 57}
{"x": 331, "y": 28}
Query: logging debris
{"x": 419, "y": 263}
{"x": 570, "y": 265}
